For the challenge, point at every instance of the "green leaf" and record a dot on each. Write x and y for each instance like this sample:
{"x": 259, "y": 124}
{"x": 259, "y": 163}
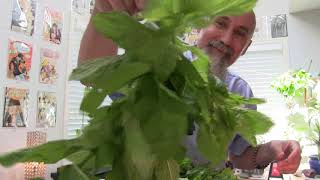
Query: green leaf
{"x": 102, "y": 128}
{"x": 201, "y": 62}
{"x": 159, "y": 110}
{"x": 90, "y": 69}
{"x": 41, "y": 153}
{"x": 166, "y": 170}
{"x": 192, "y": 13}
{"x": 209, "y": 145}
{"x": 298, "y": 122}
{"x": 72, "y": 172}
{"x": 93, "y": 100}
{"x": 237, "y": 100}
{"x": 79, "y": 157}
{"x": 161, "y": 56}
{"x": 118, "y": 170}
{"x": 124, "y": 73}
{"x": 251, "y": 123}
{"x": 108, "y": 24}
{"x": 137, "y": 153}
{"x": 102, "y": 72}
{"x": 105, "y": 155}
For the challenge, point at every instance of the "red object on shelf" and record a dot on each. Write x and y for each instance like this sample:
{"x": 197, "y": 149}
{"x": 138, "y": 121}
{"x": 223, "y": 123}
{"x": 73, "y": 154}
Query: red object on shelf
{"x": 275, "y": 171}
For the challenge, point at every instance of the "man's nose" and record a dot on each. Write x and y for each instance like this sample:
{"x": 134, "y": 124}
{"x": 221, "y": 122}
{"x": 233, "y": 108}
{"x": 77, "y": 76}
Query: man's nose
{"x": 226, "y": 38}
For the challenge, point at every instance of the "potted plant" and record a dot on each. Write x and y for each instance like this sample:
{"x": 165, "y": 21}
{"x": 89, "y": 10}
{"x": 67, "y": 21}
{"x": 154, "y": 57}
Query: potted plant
{"x": 304, "y": 118}
{"x": 293, "y": 85}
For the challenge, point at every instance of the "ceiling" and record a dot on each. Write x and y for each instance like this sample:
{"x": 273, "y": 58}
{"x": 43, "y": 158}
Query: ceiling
{"x": 303, "y": 5}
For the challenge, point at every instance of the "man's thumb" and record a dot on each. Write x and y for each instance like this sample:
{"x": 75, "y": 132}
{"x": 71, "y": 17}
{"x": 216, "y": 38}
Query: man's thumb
{"x": 139, "y": 4}
{"x": 280, "y": 156}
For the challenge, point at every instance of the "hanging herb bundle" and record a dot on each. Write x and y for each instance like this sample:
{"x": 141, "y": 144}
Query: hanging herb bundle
{"x": 140, "y": 135}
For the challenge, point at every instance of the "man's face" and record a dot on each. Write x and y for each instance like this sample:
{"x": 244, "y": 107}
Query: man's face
{"x": 227, "y": 38}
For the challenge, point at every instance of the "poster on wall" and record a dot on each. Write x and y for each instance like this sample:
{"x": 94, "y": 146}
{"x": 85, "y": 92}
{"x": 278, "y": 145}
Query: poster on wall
{"x": 47, "y": 110}
{"x": 19, "y": 60}
{"x": 16, "y": 107}
{"x": 91, "y": 6}
{"x": 48, "y": 66}
{"x": 191, "y": 37}
{"x": 279, "y": 26}
{"x": 23, "y": 16}
{"x": 83, "y": 6}
{"x": 78, "y": 6}
{"x": 52, "y": 26}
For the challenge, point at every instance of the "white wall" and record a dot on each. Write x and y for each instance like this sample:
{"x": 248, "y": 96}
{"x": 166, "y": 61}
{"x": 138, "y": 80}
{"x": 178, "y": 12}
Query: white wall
{"x": 15, "y": 138}
{"x": 304, "y": 40}
{"x": 303, "y": 30}
{"x": 271, "y": 7}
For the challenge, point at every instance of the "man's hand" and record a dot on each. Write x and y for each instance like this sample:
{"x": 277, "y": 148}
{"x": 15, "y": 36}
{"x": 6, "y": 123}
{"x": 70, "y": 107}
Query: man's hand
{"x": 88, "y": 48}
{"x": 287, "y": 154}
{"x": 130, "y": 6}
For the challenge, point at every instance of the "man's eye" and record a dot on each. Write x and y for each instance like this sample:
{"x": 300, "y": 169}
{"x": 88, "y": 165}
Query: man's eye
{"x": 241, "y": 33}
{"x": 220, "y": 24}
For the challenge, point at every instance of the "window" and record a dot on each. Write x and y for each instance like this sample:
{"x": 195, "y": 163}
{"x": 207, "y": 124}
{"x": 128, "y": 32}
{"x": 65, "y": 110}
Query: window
{"x": 76, "y": 119}
{"x": 264, "y": 61}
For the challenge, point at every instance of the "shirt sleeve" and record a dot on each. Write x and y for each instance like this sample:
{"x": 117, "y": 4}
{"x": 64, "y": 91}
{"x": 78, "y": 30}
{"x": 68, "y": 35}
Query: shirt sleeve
{"x": 249, "y": 94}
{"x": 238, "y": 145}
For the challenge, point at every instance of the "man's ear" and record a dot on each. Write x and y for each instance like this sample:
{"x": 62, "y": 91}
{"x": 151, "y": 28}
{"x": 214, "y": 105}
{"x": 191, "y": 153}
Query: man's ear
{"x": 243, "y": 52}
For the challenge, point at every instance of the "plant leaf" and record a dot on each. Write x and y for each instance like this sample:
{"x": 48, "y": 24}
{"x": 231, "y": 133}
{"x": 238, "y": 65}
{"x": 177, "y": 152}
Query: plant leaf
{"x": 93, "y": 67}
{"x": 62, "y": 149}
{"x": 93, "y": 100}
{"x": 251, "y": 123}
{"x": 72, "y": 172}
{"x": 166, "y": 170}
{"x": 159, "y": 110}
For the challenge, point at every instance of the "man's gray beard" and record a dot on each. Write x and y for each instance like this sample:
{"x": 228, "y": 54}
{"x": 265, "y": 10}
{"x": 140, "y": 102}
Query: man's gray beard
{"x": 218, "y": 68}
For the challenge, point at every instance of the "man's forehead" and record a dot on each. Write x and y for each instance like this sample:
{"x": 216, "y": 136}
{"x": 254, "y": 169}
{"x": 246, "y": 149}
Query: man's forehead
{"x": 246, "y": 20}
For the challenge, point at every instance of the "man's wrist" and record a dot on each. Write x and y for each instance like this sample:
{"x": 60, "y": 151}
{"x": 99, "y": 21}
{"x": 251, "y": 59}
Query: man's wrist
{"x": 102, "y": 6}
{"x": 264, "y": 155}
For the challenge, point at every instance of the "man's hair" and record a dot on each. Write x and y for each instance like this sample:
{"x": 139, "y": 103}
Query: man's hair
{"x": 254, "y": 21}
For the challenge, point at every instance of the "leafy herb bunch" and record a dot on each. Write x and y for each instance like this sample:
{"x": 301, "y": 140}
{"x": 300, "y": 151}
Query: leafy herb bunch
{"x": 293, "y": 83}
{"x": 140, "y": 135}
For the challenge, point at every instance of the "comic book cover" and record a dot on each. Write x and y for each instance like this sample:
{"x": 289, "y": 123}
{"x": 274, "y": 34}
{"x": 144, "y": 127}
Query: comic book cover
{"x": 16, "y": 107}
{"x": 23, "y": 16}
{"x": 91, "y": 5}
{"x": 48, "y": 66}
{"x": 52, "y": 26}
{"x": 19, "y": 60}
{"x": 191, "y": 37}
{"x": 47, "y": 110}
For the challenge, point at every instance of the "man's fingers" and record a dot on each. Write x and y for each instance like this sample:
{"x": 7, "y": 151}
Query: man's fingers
{"x": 289, "y": 169}
{"x": 117, "y": 5}
{"x": 139, "y": 4}
{"x": 290, "y": 165}
{"x": 103, "y": 6}
{"x": 129, "y": 6}
{"x": 294, "y": 155}
{"x": 281, "y": 156}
